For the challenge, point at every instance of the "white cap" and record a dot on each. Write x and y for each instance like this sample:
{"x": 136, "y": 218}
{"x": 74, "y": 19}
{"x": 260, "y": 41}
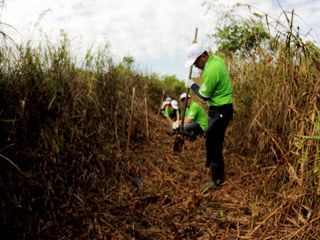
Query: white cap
{"x": 168, "y": 99}
{"x": 183, "y": 95}
{"x": 193, "y": 52}
{"x": 174, "y": 104}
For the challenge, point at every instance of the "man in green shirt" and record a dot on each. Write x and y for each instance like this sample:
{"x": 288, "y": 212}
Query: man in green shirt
{"x": 196, "y": 121}
{"x": 216, "y": 89}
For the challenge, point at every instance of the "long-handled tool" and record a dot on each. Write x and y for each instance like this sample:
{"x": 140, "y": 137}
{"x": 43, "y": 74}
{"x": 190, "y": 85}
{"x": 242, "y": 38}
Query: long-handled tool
{"x": 179, "y": 141}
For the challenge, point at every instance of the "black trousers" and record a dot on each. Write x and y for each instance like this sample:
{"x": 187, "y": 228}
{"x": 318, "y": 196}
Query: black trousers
{"x": 192, "y": 129}
{"x": 220, "y": 117}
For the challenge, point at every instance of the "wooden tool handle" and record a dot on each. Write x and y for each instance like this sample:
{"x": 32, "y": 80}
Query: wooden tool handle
{"x": 187, "y": 93}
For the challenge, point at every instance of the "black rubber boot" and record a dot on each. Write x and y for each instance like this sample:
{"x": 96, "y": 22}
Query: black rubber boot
{"x": 217, "y": 174}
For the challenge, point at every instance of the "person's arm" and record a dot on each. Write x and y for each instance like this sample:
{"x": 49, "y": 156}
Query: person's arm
{"x": 196, "y": 89}
{"x": 166, "y": 114}
{"x": 186, "y": 120}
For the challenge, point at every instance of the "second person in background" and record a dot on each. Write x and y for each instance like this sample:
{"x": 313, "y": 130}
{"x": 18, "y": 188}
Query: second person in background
{"x": 196, "y": 121}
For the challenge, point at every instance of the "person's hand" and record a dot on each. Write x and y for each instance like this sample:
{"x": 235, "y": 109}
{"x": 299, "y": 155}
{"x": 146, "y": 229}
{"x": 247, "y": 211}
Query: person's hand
{"x": 175, "y": 125}
{"x": 189, "y": 83}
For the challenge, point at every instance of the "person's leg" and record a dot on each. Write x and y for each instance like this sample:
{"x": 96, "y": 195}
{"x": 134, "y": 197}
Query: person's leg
{"x": 214, "y": 143}
{"x": 217, "y": 162}
{"x": 211, "y": 138}
{"x": 192, "y": 129}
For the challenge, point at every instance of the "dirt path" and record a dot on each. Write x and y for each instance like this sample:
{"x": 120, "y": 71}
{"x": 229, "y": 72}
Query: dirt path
{"x": 173, "y": 202}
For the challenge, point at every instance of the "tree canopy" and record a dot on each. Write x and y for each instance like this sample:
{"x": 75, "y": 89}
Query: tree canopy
{"x": 240, "y": 37}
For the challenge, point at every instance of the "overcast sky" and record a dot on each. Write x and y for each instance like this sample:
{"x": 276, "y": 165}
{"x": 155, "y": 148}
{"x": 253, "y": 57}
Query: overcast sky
{"x": 155, "y": 32}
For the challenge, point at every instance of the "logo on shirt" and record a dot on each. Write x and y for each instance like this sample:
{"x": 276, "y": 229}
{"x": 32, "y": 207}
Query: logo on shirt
{"x": 190, "y": 113}
{"x": 203, "y": 87}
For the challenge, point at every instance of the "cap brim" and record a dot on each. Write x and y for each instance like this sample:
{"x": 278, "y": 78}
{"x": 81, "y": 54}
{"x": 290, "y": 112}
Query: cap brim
{"x": 184, "y": 96}
{"x": 189, "y": 63}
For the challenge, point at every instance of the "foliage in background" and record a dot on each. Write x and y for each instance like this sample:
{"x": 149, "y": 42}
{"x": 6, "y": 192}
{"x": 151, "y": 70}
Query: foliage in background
{"x": 241, "y": 36}
{"x": 173, "y": 86}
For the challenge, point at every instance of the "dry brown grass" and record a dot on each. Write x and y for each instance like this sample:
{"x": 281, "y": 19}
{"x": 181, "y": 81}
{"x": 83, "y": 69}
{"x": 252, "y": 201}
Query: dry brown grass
{"x": 175, "y": 204}
{"x": 68, "y": 158}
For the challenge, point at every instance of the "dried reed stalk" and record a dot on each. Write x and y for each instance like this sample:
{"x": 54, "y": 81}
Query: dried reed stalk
{"x": 130, "y": 120}
{"x": 147, "y": 121}
{"x": 116, "y": 127}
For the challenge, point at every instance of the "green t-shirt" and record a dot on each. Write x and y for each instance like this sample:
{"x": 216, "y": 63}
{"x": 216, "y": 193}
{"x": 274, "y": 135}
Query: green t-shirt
{"x": 198, "y": 115}
{"x": 168, "y": 111}
{"x": 216, "y": 83}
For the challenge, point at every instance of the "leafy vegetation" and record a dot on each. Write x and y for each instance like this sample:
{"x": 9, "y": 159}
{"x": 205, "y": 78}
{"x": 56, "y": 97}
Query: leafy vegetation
{"x": 240, "y": 36}
{"x": 173, "y": 86}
